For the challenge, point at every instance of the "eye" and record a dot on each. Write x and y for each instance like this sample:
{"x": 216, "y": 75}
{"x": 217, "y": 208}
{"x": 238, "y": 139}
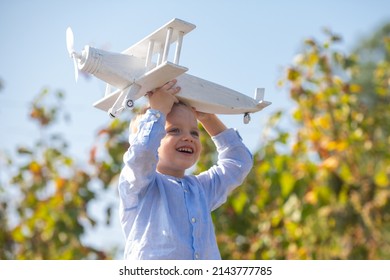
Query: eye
{"x": 195, "y": 134}
{"x": 174, "y": 131}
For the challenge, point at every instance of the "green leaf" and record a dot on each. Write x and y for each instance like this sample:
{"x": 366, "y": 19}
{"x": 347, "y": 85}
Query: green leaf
{"x": 287, "y": 182}
{"x": 239, "y": 202}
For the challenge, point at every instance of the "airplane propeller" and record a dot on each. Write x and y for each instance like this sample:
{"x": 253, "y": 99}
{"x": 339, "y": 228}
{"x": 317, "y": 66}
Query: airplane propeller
{"x": 71, "y": 51}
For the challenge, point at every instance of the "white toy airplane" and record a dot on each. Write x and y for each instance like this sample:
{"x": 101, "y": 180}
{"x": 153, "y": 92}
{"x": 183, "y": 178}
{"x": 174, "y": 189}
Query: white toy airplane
{"x": 131, "y": 74}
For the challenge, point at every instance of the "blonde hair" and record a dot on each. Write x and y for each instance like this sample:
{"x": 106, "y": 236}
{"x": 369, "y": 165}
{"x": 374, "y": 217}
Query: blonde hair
{"x": 134, "y": 123}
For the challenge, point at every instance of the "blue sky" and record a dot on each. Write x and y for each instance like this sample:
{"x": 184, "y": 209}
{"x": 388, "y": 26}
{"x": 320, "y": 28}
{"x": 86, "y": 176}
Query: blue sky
{"x": 238, "y": 44}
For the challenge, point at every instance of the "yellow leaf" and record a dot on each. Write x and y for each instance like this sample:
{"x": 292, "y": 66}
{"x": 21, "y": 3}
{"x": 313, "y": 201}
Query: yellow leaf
{"x": 322, "y": 122}
{"x": 312, "y": 59}
{"x": 287, "y": 182}
{"x": 355, "y": 88}
{"x": 337, "y": 145}
{"x": 60, "y": 183}
{"x": 315, "y": 136}
{"x": 298, "y": 115}
{"x": 239, "y": 202}
{"x": 35, "y": 167}
{"x": 17, "y": 235}
{"x": 381, "y": 179}
{"x": 331, "y": 145}
{"x": 341, "y": 146}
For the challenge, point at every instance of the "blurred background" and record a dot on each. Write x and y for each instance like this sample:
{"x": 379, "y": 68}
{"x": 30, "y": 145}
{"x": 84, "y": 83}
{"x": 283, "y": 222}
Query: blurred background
{"x": 320, "y": 186}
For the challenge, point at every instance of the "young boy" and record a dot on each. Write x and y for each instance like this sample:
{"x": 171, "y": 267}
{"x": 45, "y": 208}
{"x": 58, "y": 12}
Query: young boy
{"x": 166, "y": 214}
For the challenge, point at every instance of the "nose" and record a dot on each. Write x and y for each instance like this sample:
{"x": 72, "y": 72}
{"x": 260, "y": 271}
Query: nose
{"x": 188, "y": 137}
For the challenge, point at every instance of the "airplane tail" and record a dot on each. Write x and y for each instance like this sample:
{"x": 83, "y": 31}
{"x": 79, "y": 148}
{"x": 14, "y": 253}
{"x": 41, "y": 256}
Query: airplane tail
{"x": 259, "y": 97}
{"x": 259, "y": 94}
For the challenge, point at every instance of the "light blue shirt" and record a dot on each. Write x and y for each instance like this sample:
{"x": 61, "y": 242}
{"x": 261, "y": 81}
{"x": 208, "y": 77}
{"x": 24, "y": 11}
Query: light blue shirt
{"x": 165, "y": 217}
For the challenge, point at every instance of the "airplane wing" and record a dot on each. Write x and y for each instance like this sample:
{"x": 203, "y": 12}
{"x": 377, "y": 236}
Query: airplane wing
{"x": 149, "y": 81}
{"x": 209, "y": 97}
{"x": 203, "y": 95}
{"x": 159, "y": 38}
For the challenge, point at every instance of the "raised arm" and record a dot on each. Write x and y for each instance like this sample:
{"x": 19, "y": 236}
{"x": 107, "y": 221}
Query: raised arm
{"x": 234, "y": 161}
{"x": 141, "y": 158}
{"x": 211, "y": 123}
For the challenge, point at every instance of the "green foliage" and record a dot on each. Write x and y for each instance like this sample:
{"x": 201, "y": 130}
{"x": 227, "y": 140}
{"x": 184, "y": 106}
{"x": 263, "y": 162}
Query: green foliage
{"x": 322, "y": 190}
{"x": 44, "y": 204}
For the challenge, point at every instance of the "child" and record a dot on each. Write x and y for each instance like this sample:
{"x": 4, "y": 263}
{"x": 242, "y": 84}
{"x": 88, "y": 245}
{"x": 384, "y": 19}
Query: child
{"x": 164, "y": 213}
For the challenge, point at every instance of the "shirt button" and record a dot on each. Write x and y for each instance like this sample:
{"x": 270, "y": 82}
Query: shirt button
{"x": 193, "y": 220}
{"x": 196, "y": 256}
{"x": 158, "y": 115}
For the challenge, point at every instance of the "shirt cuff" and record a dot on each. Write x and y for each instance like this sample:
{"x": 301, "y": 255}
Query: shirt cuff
{"x": 150, "y": 120}
{"x": 154, "y": 115}
{"x": 228, "y": 137}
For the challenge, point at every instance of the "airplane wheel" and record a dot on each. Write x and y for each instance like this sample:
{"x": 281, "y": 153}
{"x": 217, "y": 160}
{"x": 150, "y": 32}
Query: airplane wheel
{"x": 247, "y": 118}
{"x": 111, "y": 113}
{"x": 129, "y": 103}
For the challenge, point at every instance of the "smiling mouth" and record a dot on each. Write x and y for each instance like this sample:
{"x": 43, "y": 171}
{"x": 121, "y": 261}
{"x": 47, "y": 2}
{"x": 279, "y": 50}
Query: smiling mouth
{"x": 186, "y": 150}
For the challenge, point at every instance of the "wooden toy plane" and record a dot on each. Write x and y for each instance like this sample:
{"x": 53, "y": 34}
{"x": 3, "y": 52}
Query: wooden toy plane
{"x": 146, "y": 65}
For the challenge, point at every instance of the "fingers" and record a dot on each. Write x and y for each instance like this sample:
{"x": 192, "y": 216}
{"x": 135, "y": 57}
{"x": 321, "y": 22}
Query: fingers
{"x": 163, "y": 98}
{"x": 170, "y": 87}
{"x": 170, "y": 84}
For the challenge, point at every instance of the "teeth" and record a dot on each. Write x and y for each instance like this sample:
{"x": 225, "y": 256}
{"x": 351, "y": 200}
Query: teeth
{"x": 185, "y": 150}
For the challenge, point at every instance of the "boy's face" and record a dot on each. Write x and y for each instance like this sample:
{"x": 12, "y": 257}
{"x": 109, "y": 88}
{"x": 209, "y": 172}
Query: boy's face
{"x": 180, "y": 148}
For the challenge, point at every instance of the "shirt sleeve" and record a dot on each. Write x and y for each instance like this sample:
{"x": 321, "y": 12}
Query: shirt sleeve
{"x": 140, "y": 160}
{"x": 233, "y": 165}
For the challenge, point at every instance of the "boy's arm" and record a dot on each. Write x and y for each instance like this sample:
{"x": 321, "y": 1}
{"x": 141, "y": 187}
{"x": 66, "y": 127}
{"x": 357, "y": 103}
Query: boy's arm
{"x": 234, "y": 161}
{"x": 141, "y": 158}
{"x": 233, "y": 165}
{"x": 211, "y": 123}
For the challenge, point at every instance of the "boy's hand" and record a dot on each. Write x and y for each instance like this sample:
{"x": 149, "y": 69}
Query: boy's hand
{"x": 163, "y": 98}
